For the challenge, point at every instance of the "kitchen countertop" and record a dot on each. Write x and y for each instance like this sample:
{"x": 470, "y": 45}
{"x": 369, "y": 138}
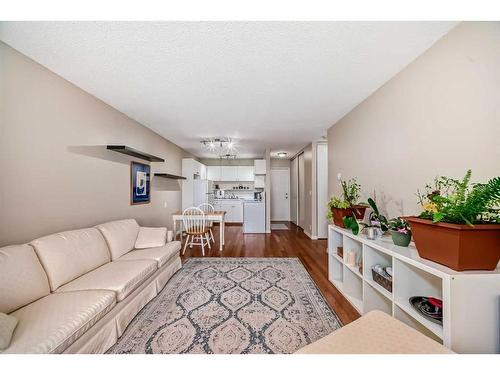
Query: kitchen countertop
{"x": 237, "y": 200}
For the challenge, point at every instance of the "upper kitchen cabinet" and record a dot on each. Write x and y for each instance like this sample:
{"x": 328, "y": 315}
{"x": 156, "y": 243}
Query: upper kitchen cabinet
{"x": 214, "y": 173}
{"x": 245, "y": 173}
{"x": 260, "y": 166}
{"x": 228, "y": 173}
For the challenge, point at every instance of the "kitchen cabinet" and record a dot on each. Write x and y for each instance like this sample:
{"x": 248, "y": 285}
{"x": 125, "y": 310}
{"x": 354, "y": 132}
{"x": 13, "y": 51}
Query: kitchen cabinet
{"x": 228, "y": 173}
{"x": 245, "y": 173}
{"x": 237, "y": 212}
{"x": 213, "y": 173}
{"x": 233, "y": 208}
{"x": 260, "y": 166}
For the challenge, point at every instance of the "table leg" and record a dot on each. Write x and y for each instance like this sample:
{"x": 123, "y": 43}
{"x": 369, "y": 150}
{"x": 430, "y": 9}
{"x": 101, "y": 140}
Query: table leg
{"x": 221, "y": 234}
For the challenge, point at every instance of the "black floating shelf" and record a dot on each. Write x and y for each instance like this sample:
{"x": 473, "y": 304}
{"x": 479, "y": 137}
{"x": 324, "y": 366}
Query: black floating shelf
{"x": 132, "y": 152}
{"x": 171, "y": 176}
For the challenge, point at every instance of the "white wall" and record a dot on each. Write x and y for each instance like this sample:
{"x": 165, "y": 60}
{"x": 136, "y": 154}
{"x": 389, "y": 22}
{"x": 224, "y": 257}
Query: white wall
{"x": 439, "y": 116}
{"x": 55, "y": 171}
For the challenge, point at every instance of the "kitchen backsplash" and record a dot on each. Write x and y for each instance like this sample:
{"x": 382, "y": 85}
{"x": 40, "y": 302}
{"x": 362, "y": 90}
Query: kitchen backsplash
{"x": 240, "y": 186}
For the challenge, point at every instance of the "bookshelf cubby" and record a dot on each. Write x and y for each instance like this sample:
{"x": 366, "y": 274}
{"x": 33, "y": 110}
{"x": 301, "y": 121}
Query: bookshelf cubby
{"x": 471, "y": 300}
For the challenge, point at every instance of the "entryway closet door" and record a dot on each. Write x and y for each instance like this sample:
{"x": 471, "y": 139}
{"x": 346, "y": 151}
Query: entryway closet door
{"x": 322, "y": 188}
{"x": 280, "y": 192}
{"x": 294, "y": 180}
{"x": 302, "y": 192}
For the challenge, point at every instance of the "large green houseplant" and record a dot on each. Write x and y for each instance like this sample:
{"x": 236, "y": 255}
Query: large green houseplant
{"x": 460, "y": 223}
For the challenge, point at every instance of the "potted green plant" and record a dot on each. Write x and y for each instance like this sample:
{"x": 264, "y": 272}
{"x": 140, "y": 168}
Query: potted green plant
{"x": 400, "y": 231}
{"x": 351, "y": 222}
{"x": 350, "y": 192}
{"x": 460, "y": 223}
{"x": 339, "y": 208}
{"x": 376, "y": 218}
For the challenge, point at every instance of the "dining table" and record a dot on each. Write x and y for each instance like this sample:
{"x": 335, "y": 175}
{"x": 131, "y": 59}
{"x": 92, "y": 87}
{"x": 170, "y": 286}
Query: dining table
{"x": 216, "y": 216}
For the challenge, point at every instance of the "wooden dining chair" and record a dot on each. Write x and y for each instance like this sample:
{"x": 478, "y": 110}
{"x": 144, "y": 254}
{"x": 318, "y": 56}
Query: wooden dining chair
{"x": 195, "y": 226}
{"x": 207, "y": 208}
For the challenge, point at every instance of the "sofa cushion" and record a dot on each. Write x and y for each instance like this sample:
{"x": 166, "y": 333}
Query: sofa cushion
{"x": 120, "y": 277}
{"x": 22, "y": 278}
{"x": 159, "y": 254}
{"x": 68, "y": 255}
{"x": 151, "y": 237}
{"x": 8, "y": 324}
{"x": 120, "y": 236}
{"x": 54, "y": 322}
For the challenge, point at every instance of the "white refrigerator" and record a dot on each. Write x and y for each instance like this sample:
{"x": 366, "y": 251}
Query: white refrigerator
{"x": 203, "y": 192}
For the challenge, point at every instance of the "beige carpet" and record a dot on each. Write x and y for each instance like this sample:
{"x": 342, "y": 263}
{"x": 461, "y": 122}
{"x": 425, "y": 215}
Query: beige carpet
{"x": 232, "y": 305}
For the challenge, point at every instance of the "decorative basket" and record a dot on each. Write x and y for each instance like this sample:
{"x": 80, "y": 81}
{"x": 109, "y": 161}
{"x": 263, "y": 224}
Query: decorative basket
{"x": 340, "y": 251}
{"x": 384, "y": 282}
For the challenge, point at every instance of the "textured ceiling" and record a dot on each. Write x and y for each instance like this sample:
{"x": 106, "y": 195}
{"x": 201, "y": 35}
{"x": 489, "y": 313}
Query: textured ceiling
{"x": 266, "y": 84}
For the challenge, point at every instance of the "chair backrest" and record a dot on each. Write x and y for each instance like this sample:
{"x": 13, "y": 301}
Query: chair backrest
{"x": 194, "y": 220}
{"x": 207, "y": 208}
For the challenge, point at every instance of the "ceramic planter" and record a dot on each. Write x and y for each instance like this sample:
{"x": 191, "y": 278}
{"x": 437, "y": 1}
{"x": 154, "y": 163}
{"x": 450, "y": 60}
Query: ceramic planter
{"x": 401, "y": 239}
{"x": 359, "y": 211}
{"x": 339, "y": 214}
{"x": 459, "y": 247}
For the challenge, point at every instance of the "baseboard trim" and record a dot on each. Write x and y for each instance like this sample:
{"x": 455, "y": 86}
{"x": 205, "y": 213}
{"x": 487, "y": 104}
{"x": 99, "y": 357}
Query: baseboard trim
{"x": 310, "y": 236}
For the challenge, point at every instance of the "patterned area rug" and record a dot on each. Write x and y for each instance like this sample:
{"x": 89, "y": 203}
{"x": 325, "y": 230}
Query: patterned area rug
{"x": 232, "y": 305}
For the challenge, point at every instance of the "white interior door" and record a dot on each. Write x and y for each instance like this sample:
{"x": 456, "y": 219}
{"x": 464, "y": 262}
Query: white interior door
{"x": 322, "y": 188}
{"x": 280, "y": 194}
{"x": 294, "y": 180}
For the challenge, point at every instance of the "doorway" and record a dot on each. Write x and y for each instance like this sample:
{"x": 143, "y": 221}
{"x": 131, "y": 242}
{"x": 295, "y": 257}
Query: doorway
{"x": 280, "y": 194}
{"x": 301, "y": 211}
{"x": 294, "y": 191}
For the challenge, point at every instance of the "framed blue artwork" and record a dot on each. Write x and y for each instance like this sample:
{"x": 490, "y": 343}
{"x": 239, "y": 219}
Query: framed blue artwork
{"x": 140, "y": 183}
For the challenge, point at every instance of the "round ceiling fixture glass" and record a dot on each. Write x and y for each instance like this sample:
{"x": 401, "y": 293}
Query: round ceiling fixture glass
{"x": 282, "y": 154}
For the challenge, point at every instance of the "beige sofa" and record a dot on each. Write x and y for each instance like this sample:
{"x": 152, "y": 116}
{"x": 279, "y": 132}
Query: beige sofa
{"x": 76, "y": 291}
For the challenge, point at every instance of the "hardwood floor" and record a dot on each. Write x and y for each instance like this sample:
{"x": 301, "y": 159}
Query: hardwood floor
{"x": 283, "y": 243}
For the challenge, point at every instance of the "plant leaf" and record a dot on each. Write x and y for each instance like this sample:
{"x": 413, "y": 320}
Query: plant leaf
{"x": 437, "y": 217}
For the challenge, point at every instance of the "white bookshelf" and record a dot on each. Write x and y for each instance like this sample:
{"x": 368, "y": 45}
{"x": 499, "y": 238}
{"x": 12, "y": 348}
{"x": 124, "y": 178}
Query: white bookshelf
{"x": 471, "y": 299}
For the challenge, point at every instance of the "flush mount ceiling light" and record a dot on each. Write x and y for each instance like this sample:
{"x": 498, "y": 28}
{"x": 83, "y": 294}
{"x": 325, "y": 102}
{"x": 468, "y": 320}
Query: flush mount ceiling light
{"x": 282, "y": 154}
{"x": 223, "y": 147}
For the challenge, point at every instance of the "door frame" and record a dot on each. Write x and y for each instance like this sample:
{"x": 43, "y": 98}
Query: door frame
{"x": 300, "y": 174}
{"x": 320, "y": 205}
{"x": 288, "y": 190}
{"x": 294, "y": 186}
